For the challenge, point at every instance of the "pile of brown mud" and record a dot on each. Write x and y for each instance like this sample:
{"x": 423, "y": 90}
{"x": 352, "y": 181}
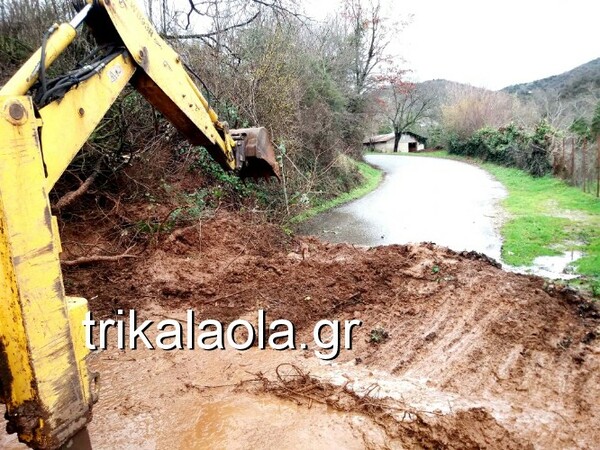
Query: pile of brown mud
{"x": 453, "y": 352}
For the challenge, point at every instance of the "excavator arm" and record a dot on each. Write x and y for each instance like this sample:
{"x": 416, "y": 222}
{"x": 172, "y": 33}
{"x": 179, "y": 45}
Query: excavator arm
{"x": 44, "y": 380}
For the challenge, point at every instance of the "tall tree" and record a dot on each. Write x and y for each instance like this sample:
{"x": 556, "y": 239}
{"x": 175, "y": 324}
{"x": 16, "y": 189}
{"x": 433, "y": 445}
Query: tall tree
{"x": 368, "y": 40}
{"x": 404, "y": 103}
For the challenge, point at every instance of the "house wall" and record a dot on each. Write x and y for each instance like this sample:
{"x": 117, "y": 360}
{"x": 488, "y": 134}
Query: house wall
{"x": 388, "y": 146}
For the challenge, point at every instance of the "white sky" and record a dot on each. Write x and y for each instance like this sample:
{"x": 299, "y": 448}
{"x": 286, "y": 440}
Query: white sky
{"x": 490, "y": 44}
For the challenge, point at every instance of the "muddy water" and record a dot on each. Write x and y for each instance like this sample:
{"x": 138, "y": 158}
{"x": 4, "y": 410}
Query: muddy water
{"x": 420, "y": 200}
{"x": 243, "y": 421}
{"x": 551, "y": 266}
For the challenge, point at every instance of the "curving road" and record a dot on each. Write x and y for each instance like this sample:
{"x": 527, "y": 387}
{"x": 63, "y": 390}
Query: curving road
{"x": 420, "y": 200}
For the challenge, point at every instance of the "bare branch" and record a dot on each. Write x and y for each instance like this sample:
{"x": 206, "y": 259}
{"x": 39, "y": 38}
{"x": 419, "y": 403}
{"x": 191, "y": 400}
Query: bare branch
{"x": 70, "y": 197}
{"x": 213, "y": 33}
{"x": 95, "y": 259}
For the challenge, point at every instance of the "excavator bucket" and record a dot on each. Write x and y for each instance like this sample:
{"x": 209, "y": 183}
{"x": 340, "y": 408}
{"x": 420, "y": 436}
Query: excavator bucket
{"x": 254, "y": 153}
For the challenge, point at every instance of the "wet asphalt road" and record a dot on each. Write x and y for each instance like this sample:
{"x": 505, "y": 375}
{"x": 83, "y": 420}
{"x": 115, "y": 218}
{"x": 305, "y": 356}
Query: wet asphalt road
{"x": 447, "y": 202}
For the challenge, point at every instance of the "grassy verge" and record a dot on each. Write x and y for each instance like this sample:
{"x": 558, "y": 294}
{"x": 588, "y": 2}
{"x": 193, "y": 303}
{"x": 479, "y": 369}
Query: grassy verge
{"x": 371, "y": 176}
{"x": 547, "y": 217}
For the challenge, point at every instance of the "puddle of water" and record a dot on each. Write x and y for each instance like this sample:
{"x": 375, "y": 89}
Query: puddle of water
{"x": 554, "y": 267}
{"x": 245, "y": 421}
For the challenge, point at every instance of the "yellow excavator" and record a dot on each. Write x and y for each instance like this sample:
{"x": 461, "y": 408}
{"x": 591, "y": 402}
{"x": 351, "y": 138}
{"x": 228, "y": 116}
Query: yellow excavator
{"x": 44, "y": 380}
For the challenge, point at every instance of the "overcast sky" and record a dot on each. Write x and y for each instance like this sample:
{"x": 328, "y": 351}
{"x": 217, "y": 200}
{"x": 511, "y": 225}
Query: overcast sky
{"x": 491, "y": 44}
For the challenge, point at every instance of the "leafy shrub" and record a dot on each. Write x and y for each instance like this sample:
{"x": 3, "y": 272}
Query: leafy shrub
{"x": 511, "y": 146}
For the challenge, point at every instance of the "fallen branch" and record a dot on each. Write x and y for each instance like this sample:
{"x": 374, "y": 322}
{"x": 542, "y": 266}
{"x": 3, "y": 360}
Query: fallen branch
{"x": 70, "y": 197}
{"x": 94, "y": 259}
{"x": 82, "y": 260}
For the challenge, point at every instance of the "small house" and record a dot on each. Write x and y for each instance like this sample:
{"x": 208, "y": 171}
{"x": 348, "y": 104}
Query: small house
{"x": 409, "y": 142}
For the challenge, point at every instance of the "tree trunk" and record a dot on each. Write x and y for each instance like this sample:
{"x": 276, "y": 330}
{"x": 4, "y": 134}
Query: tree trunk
{"x": 397, "y": 136}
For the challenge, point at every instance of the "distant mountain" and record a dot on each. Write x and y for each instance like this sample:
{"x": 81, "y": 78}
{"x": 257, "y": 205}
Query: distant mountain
{"x": 578, "y": 81}
{"x": 559, "y": 98}
{"x": 563, "y": 97}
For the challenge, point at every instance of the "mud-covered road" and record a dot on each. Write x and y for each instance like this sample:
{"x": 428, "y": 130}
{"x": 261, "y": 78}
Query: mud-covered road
{"x": 452, "y": 353}
{"x": 450, "y": 203}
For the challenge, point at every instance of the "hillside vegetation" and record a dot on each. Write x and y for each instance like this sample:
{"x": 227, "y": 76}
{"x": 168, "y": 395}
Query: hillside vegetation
{"x": 546, "y": 126}
{"x": 258, "y": 64}
{"x": 570, "y": 84}
{"x": 566, "y": 96}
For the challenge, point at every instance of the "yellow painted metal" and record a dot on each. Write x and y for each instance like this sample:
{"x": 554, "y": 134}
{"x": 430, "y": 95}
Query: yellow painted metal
{"x": 43, "y": 376}
{"x": 69, "y": 123}
{"x": 77, "y": 308}
{"x": 44, "y": 380}
{"x": 56, "y": 234}
{"x": 229, "y": 142}
{"x": 62, "y": 35}
{"x": 13, "y": 351}
{"x": 171, "y": 90}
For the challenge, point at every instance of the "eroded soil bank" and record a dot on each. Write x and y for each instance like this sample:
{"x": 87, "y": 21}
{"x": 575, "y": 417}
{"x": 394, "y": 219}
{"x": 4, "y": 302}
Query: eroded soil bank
{"x": 475, "y": 357}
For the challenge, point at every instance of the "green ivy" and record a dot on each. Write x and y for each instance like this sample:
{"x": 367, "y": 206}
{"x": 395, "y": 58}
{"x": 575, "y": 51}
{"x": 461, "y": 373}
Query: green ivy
{"x": 511, "y": 146}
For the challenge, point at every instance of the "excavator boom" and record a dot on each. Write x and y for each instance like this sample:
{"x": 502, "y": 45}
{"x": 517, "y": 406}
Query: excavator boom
{"x": 44, "y": 380}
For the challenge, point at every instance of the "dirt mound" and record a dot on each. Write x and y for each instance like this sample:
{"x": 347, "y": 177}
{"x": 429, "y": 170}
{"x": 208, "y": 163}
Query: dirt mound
{"x": 498, "y": 360}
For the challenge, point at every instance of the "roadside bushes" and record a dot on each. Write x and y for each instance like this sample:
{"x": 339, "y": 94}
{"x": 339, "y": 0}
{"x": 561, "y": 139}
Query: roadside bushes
{"x": 511, "y": 146}
{"x": 294, "y": 77}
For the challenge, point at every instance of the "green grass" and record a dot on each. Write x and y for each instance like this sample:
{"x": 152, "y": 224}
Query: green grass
{"x": 546, "y": 217}
{"x": 527, "y": 237}
{"x": 371, "y": 176}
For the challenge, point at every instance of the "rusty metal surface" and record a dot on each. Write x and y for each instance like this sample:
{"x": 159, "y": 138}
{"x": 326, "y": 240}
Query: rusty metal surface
{"x": 255, "y": 153}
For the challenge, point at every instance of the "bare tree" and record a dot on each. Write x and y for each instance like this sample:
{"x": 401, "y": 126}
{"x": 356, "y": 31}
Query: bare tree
{"x": 368, "y": 40}
{"x": 404, "y": 103}
{"x": 551, "y": 107}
